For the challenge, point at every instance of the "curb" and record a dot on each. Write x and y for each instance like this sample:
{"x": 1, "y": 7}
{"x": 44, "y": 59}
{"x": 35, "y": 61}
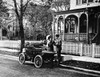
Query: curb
{"x": 81, "y": 69}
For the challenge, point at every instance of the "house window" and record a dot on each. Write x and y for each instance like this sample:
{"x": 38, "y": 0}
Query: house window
{"x": 70, "y": 25}
{"x": 83, "y": 23}
{"x": 60, "y": 24}
{"x": 84, "y": 1}
{"x": 78, "y": 2}
{"x": 90, "y": 0}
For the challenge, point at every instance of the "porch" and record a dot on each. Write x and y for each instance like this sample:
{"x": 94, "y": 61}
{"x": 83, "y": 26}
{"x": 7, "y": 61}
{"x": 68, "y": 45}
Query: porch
{"x": 77, "y": 25}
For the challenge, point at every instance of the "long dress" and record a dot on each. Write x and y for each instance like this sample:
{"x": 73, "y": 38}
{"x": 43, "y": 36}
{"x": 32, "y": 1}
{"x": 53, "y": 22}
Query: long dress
{"x": 58, "y": 44}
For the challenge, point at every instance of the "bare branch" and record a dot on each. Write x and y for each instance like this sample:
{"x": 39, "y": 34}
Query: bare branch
{"x": 16, "y": 9}
{"x": 21, "y": 8}
{"x": 25, "y": 6}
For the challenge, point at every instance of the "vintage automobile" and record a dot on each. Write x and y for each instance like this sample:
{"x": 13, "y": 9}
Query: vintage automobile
{"x": 38, "y": 55}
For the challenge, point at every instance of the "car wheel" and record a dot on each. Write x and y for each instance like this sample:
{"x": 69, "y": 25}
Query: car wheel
{"x": 22, "y": 58}
{"x": 38, "y": 61}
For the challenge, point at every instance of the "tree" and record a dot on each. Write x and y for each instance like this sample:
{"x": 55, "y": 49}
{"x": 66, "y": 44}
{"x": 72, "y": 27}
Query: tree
{"x": 19, "y": 10}
{"x": 3, "y": 11}
{"x": 40, "y": 18}
{"x": 3, "y": 8}
{"x": 47, "y": 2}
{"x": 3, "y": 15}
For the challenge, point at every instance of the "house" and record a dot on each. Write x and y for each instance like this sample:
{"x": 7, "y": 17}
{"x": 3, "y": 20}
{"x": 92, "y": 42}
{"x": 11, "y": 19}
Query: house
{"x": 79, "y": 21}
{"x": 78, "y": 24}
{"x": 10, "y": 29}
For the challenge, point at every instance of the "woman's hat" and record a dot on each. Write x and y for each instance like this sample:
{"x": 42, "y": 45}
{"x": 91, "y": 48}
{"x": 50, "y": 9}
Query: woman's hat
{"x": 48, "y": 37}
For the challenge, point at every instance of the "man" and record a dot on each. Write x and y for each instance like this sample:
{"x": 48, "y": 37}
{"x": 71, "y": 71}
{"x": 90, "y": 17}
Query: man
{"x": 58, "y": 44}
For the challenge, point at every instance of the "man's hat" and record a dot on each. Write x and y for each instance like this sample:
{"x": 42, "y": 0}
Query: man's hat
{"x": 57, "y": 35}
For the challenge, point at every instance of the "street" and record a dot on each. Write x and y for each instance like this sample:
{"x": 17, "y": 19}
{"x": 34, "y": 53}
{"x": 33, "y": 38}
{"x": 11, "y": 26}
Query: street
{"x": 10, "y": 67}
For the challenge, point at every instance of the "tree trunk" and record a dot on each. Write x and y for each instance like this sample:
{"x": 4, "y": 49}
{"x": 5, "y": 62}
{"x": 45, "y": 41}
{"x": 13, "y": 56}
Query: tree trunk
{"x": 21, "y": 26}
{"x": 21, "y": 34}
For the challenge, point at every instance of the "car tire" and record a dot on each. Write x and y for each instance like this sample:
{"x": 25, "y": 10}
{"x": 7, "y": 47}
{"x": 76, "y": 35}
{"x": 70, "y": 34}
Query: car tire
{"x": 22, "y": 58}
{"x": 38, "y": 61}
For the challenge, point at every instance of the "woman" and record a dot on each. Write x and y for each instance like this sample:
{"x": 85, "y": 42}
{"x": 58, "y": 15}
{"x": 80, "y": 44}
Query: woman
{"x": 49, "y": 44}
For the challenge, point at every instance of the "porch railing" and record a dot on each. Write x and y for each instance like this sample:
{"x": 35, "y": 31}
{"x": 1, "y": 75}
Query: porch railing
{"x": 87, "y": 50}
{"x": 75, "y": 37}
{"x": 81, "y": 49}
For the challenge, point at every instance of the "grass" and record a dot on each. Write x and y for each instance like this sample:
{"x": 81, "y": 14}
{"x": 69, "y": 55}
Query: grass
{"x": 81, "y": 64}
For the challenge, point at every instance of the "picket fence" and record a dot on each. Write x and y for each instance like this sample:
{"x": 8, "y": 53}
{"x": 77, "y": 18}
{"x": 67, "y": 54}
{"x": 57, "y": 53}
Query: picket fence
{"x": 81, "y": 49}
{"x": 13, "y": 44}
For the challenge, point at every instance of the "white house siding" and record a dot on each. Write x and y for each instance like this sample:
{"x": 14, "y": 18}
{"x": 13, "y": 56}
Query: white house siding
{"x": 85, "y": 5}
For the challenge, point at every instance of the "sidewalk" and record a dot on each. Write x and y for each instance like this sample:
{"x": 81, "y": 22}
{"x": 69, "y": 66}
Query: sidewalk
{"x": 15, "y": 58}
{"x": 7, "y": 51}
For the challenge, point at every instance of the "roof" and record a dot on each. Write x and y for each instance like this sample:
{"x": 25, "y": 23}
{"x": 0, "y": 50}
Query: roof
{"x": 74, "y": 11}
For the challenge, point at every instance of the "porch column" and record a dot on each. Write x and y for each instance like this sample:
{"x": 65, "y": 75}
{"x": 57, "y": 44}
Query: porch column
{"x": 53, "y": 27}
{"x": 79, "y": 28}
{"x": 57, "y": 25}
{"x": 63, "y": 30}
{"x": 87, "y": 27}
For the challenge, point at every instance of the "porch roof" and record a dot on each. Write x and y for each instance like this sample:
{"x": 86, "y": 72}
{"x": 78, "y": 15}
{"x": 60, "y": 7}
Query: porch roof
{"x": 76, "y": 10}
{"x": 70, "y": 11}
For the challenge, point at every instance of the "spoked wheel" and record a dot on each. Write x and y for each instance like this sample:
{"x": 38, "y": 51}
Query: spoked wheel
{"x": 22, "y": 58}
{"x": 38, "y": 61}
